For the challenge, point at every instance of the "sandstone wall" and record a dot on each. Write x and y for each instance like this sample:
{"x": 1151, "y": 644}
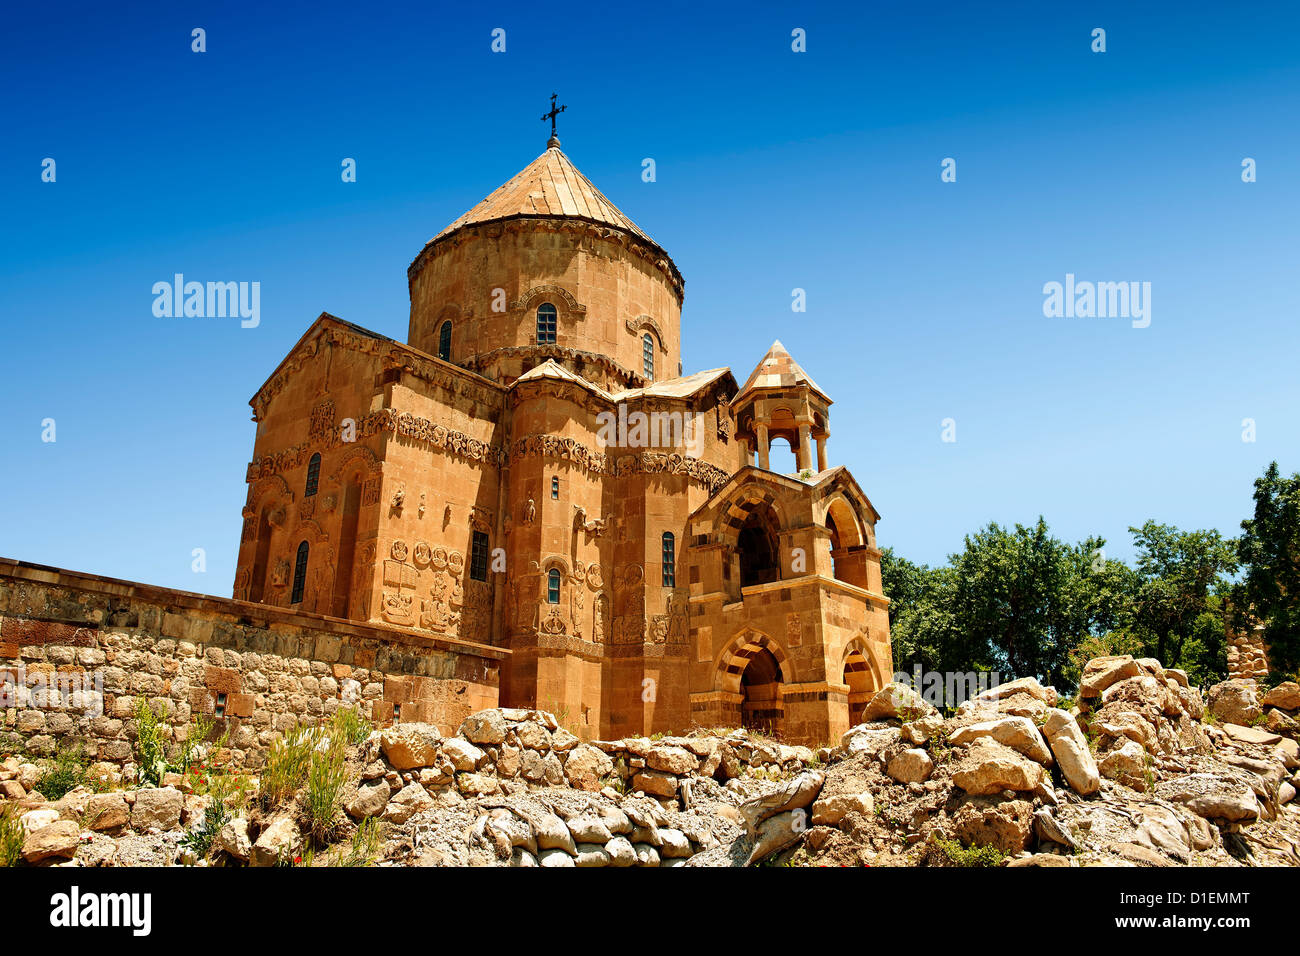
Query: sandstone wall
{"x": 605, "y": 294}
{"x": 264, "y": 668}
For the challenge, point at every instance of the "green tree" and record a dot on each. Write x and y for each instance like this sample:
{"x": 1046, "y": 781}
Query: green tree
{"x": 1178, "y": 606}
{"x": 1031, "y": 596}
{"x": 1014, "y": 600}
{"x": 1269, "y": 551}
{"x": 920, "y": 619}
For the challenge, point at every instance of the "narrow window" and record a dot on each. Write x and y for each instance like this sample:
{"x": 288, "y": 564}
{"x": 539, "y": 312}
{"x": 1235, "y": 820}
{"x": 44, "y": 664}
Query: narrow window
{"x": 220, "y": 709}
{"x": 397, "y": 713}
{"x": 299, "y": 574}
{"x": 670, "y": 556}
{"x": 648, "y": 355}
{"x": 478, "y": 556}
{"x": 553, "y": 586}
{"x": 555, "y": 487}
{"x": 313, "y": 475}
{"x": 546, "y": 324}
{"x": 444, "y": 341}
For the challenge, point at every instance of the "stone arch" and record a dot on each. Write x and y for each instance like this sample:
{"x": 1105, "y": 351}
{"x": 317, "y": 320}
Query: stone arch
{"x": 274, "y": 486}
{"x": 730, "y": 512}
{"x": 858, "y": 669}
{"x": 740, "y": 650}
{"x": 480, "y": 520}
{"x": 557, "y": 561}
{"x": 755, "y": 668}
{"x": 567, "y": 304}
{"x": 849, "y": 528}
{"x": 646, "y": 323}
{"x": 309, "y": 529}
{"x": 357, "y": 454}
{"x": 733, "y": 509}
{"x": 848, "y": 541}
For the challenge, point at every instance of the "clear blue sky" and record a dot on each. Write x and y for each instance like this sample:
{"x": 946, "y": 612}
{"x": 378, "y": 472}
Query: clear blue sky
{"x": 776, "y": 170}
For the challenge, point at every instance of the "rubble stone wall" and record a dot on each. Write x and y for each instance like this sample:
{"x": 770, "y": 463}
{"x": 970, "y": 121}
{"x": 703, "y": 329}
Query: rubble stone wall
{"x": 1247, "y": 655}
{"x": 77, "y": 651}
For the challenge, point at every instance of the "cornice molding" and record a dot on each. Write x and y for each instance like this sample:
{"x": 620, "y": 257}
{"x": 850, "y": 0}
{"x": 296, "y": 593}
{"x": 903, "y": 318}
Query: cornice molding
{"x": 605, "y": 464}
{"x": 385, "y": 421}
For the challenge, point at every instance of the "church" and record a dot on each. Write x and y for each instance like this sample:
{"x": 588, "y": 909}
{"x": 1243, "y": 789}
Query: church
{"x": 466, "y": 484}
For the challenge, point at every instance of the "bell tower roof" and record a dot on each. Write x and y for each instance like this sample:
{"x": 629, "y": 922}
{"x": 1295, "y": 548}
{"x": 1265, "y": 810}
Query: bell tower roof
{"x": 777, "y": 370}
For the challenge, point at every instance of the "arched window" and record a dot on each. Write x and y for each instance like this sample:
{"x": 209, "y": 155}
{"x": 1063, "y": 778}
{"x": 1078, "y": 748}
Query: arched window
{"x": 313, "y": 476}
{"x": 670, "y": 558}
{"x": 478, "y": 556}
{"x": 444, "y": 341}
{"x": 648, "y": 355}
{"x": 553, "y": 586}
{"x": 546, "y": 324}
{"x": 299, "y": 574}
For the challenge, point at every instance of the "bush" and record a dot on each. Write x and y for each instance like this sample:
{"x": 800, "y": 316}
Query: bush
{"x": 201, "y": 837}
{"x": 11, "y": 836}
{"x": 959, "y": 855}
{"x": 68, "y": 772}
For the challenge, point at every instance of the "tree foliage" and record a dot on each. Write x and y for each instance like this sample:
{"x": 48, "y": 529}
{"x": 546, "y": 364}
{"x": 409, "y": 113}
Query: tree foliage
{"x": 1178, "y": 610}
{"x": 1024, "y": 603}
{"x": 1269, "y": 552}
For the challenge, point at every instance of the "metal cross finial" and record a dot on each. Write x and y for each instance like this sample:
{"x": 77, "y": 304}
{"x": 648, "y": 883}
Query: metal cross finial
{"x": 555, "y": 111}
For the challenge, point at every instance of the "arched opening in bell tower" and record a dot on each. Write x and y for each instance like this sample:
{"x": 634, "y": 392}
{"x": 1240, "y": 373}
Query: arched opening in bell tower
{"x": 758, "y": 547}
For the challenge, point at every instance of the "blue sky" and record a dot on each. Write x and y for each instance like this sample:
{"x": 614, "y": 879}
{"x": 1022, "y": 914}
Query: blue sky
{"x": 775, "y": 170}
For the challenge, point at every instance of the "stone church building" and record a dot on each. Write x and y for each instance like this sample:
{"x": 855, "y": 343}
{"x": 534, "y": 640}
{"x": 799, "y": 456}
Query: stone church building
{"x": 532, "y": 470}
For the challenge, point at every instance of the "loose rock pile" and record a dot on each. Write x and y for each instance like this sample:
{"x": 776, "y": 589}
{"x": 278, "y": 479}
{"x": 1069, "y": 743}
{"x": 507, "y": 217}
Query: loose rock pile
{"x": 1134, "y": 773}
{"x": 1130, "y": 775}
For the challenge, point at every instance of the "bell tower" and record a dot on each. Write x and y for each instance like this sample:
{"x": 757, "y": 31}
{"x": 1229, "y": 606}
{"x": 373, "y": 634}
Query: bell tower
{"x": 779, "y": 400}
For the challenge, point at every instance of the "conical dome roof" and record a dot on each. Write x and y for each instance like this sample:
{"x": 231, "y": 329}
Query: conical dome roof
{"x": 548, "y": 186}
{"x": 777, "y": 369}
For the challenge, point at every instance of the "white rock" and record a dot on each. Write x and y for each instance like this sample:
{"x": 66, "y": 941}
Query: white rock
{"x": 1070, "y": 748}
{"x": 829, "y": 811}
{"x": 463, "y": 754}
{"x": 233, "y": 839}
{"x": 278, "y": 843}
{"x": 911, "y": 766}
{"x": 1018, "y": 733}
{"x": 620, "y": 852}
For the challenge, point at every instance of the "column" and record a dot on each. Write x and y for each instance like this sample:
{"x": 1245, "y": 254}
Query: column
{"x": 804, "y": 454}
{"x": 821, "y": 452}
{"x": 761, "y": 432}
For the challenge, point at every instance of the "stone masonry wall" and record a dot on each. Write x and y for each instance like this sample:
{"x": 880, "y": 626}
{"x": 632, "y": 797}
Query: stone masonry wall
{"x": 1247, "y": 656}
{"x": 77, "y": 651}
